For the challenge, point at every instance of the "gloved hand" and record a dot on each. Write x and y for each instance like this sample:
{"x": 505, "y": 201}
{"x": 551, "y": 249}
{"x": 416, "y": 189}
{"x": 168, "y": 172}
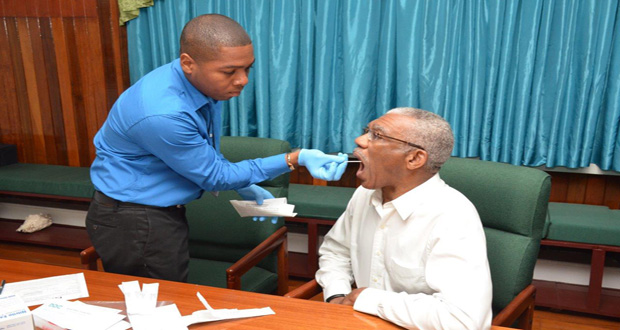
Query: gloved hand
{"x": 258, "y": 194}
{"x": 322, "y": 166}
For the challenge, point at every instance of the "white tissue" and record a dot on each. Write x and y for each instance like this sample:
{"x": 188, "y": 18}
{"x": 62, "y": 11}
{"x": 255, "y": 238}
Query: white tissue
{"x": 35, "y": 222}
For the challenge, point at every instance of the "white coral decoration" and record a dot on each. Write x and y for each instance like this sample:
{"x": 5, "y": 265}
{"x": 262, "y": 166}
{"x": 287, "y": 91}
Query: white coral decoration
{"x": 35, "y": 222}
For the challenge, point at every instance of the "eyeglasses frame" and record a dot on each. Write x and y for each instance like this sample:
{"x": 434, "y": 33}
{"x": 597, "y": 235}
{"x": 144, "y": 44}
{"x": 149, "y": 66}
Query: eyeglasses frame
{"x": 371, "y": 132}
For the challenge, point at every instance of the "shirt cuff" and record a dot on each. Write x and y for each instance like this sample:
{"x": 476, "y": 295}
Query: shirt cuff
{"x": 335, "y": 287}
{"x": 369, "y": 300}
{"x": 274, "y": 165}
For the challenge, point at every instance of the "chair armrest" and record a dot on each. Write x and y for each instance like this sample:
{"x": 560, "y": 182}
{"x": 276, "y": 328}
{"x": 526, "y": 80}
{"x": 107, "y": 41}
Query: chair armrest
{"x": 88, "y": 258}
{"x": 276, "y": 240}
{"x": 521, "y": 307}
{"x": 306, "y": 291}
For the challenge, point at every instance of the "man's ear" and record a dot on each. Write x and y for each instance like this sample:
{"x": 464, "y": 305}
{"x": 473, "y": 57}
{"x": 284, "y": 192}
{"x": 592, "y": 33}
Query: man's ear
{"x": 188, "y": 65}
{"x": 416, "y": 159}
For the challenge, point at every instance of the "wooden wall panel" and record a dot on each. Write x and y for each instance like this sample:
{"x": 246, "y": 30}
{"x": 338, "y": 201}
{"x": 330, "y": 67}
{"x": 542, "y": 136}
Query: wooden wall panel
{"x": 50, "y": 8}
{"x": 64, "y": 79}
{"x": 63, "y": 63}
{"x": 595, "y": 190}
{"x": 577, "y": 187}
{"x": 559, "y": 187}
{"x": 592, "y": 189}
{"x": 8, "y": 94}
{"x": 612, "y": 192}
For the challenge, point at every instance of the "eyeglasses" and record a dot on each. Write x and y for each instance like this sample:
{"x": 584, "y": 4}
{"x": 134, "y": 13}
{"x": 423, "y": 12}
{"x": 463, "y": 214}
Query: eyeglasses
{"x": 372, "y": 136}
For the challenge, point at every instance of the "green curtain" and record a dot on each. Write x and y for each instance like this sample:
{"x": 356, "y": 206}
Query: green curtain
{"x": 527, "y": 82}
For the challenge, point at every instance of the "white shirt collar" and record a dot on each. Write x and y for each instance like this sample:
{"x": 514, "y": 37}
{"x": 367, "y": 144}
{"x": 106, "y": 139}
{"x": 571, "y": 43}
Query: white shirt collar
{"x": 403, "y": 204}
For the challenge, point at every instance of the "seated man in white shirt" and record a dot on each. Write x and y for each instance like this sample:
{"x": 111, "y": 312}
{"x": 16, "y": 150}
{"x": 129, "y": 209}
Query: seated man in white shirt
{"x": 413, "y": 246}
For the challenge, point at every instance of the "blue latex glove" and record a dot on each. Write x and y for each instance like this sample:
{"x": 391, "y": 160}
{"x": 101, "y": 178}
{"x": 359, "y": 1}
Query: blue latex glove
{"x": 322, "y": 166}
{"x": 258, "y": 194}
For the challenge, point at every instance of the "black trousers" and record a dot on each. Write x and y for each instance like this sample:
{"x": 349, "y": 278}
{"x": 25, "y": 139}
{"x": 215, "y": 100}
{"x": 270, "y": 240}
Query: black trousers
{"x": 139, "y": 240}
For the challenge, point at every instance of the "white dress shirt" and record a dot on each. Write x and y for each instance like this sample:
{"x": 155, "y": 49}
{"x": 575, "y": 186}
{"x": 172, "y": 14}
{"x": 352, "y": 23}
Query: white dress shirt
{"x": 421, "y": 256}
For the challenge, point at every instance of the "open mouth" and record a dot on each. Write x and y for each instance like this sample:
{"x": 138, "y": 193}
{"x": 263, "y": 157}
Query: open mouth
{"x": 360, "y": 170}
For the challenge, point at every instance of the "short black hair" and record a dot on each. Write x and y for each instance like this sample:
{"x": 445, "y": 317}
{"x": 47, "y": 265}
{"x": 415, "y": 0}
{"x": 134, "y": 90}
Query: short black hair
{"x": 203, "y": 35}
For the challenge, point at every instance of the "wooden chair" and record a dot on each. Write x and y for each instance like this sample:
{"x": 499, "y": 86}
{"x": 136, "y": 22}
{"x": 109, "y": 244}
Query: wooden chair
{"x": 229, "y": 251}
{"x": 512, "y": 203}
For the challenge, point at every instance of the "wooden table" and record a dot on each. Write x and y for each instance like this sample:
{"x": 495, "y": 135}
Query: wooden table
{"x": 290, "y": 313}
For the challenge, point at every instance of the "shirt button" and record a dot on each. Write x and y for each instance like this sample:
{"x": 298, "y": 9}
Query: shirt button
{"x": 379, "y": 254}
{"x": 374, "y": 280}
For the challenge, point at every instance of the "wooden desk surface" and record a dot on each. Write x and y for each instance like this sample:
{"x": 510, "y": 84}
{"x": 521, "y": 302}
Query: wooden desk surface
{"x": 290, "y": 313}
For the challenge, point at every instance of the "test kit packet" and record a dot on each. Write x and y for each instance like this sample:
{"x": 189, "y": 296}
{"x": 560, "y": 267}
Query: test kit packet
{"x": 14, "y": 314}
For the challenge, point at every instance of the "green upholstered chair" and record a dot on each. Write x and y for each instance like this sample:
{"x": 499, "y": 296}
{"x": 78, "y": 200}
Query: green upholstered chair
{"x": 512, "y": 203}
{"x": 225, "y": 249}
{"x": 229, "y": 251}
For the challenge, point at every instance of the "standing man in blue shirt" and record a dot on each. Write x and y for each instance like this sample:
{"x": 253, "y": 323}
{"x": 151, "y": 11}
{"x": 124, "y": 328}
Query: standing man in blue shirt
{"x": 159, "y": 149}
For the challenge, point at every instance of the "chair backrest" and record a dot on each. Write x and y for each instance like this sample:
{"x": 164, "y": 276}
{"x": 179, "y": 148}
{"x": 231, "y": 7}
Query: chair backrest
{"x": 512, "y": 203}
{"x": 216, "y": 231}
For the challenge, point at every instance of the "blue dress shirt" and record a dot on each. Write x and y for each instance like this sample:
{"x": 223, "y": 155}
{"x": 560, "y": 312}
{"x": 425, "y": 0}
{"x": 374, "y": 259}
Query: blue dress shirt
{"x": 160, "y": 145}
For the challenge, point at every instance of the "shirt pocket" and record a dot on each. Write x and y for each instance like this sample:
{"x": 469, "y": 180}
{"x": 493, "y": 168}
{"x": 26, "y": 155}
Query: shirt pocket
{"x": 406, "y": 278}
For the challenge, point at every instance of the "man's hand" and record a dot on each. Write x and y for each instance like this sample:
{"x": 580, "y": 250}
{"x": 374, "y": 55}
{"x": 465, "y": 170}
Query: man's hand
{"x": 349, "y": 299}
{"x": 322, "y": 166}
{"x": 258, "y": 194}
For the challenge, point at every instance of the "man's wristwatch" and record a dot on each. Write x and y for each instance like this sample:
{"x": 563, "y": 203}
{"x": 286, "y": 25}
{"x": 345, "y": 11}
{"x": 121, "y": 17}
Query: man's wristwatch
{"x": 288, "y": 158}
{"x": 288, "y": 162}
{"x": 332, "y": 297}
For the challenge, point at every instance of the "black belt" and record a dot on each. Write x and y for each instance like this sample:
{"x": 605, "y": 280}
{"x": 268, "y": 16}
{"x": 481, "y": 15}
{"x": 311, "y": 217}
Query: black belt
{"x": 109, "y": 201}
